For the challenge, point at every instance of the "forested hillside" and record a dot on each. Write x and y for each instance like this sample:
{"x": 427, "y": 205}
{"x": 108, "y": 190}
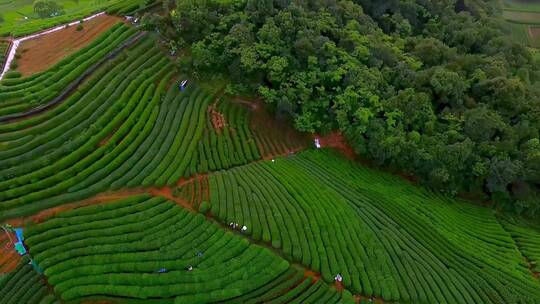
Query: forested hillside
{"x": 431, "y": 88}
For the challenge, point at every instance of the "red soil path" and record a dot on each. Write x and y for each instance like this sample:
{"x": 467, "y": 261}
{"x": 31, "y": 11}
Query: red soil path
{"x": 101, "y": 198}
{"x": 166, "y": 192}
{"x": 9, "y": 259}
{"x": 42, "y": 52}
{"x": 337, "y": 141}
{"x": 308, "y": 273}
{"x": 199, "y": 190}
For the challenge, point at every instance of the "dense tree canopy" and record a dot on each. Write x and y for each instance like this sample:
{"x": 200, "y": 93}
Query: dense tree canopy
{"x": 47, "y": 8}
{"x": 431, "y": 87}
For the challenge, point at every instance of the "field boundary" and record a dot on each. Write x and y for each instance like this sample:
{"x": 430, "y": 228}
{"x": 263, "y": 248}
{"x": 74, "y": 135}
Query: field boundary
{"x": 15, "y": 42}
{"x": 73, "y": 86}
{"x": 3, "y": 64}
{"x": 523, "y": 22}
{"x": 520, "y": 10}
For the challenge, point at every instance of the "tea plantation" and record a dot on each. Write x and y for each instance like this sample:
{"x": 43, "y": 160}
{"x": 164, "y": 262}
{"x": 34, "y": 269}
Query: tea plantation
{"x": 132, "y": 188}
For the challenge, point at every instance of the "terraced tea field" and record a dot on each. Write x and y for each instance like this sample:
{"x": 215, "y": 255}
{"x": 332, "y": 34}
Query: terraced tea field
{"x": 130, "y": 189}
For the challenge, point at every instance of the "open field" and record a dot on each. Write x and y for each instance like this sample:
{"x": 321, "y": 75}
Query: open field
{"x": 522, "y": 5}
{"x": 38, "y": 54}
{"x": 523, "y": 21}
{"x": 132, "y": 189}
{"x": 20, "y": 19}
{"x": 21, "y": 94}
{"x": 522, "y": 17}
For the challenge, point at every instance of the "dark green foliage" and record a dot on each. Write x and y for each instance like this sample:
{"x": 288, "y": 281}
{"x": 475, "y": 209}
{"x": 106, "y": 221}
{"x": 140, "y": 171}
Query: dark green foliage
{"x": 432, "y": 88}
{"x": 48, "y": 8}
{"x": 12, "y": 74}
{"x": 205, "y": 207}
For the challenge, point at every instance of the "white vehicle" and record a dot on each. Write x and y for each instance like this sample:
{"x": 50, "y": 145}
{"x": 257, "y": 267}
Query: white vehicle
{"x": 183, "y": 85}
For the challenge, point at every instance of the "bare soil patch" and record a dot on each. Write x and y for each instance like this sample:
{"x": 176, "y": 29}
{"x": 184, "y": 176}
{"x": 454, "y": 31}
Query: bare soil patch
{"x": 42, "y": 52}
{"x": 166, "y": 192}
{"x": 217, "y": 118}
{"x": 337, "y": 141}
{"x": 9, "y": 259}
{"x": 309, "y": 273}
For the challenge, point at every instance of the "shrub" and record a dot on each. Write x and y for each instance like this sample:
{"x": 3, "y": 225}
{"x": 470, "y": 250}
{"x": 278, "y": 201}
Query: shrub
{"x": 205, "y": 207}
{"x": 12, "y": 74}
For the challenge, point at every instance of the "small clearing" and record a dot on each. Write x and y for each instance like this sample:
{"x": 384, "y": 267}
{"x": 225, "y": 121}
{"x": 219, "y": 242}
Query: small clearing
{"x": 218, "y": 119}
{"x": 40, "y": 53}
{"x": 337, "y": 141}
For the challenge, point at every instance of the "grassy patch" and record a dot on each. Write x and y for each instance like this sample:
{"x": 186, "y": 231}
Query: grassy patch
{"x": 522, "y": 5}
{"x": 20, "y": 19}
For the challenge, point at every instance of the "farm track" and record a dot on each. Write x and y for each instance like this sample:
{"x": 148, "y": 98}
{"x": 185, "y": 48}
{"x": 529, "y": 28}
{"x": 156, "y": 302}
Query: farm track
{"x": 75, "y": 84}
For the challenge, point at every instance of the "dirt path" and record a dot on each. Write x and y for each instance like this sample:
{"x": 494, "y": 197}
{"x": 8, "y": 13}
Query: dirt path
{"x": 108, "y": 197}
{"x": 166, "y": 192}
{"x": 101, "y": 198}
{"x": 337, "y": 141}
{"x": 9, "y": 259}
{"x": 40, "y": 53}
